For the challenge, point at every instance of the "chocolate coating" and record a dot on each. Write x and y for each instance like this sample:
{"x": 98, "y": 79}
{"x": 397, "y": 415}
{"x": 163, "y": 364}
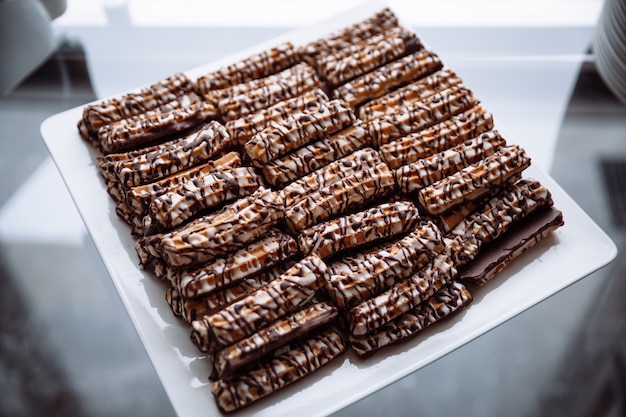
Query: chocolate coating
{"x": 260, "y": 65}
{"x": 428, "y": 171}
{"x": 355, "y": 278}
{"x": 371, "y": 314}
{"x": 523, "y": 235}
{"x": 343, "y": 38}
{"x": 140, "y": 197}
{"x": 474, "y": 181}
{"x": 448, "y": 300}
{"x": 342, "y": 196}
{"x": 366, "y": 55}
{"x": 217, "y": 234}
{"x": 415, "y": 91}
{"x": 181, "y": 203}
{"x": 243, "y": 128}
{"x": 128, "y": 105}
{"x": 267, "y": 251}
{"x": 242, "y": 99}
{"x": 281, "y": 138}
{"x": 436, "y": 138}
{"x": 494, "y": 217}
{"x": 153, "y": 125}
{"x": 329, "y": 174}
{"x": 190, "y": 309}
{"x": 285, "y": 294}
{"x": 228, "y": 360}
{"x": 421, "y": 114}
{"x": 191, "y": 150}
{"x": 286, "y": 367}
{"x": 377, "y": 223}
{"x": 304, "y": 161}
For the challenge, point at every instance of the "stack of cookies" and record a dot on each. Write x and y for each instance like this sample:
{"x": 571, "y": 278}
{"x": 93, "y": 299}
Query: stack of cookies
{"x": 311, "y": 199}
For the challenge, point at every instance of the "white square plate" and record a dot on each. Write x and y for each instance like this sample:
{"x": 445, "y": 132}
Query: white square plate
{"x": 572, "y": 252}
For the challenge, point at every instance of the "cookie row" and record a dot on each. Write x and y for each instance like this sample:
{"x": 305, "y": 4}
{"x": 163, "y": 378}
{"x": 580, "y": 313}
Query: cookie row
{"x": 178, "y": 104}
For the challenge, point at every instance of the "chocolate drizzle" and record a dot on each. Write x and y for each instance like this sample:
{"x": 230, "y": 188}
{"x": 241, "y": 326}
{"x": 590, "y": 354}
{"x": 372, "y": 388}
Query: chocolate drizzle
{"x": 150, "y": 98}
{"x": 286, "y": 367}
{"x": 420, "y": 114}
{"x": 241, "y": 319}
{"x": 253, "y": 67}
{"x": 495, "y": 256}
{"x": 306, "y": 192}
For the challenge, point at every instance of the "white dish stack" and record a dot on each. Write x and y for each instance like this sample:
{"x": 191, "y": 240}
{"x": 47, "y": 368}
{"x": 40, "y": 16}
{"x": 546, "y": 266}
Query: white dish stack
{"x": 609, "y": 46}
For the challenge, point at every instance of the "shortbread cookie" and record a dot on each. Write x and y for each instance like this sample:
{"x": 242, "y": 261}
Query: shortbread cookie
{"x": 285, "y": 294}
{"x": 474, "y": 181}
{"x": 287, "y": 366}
{"x": 436, "y": 138}
{"x": 222, "y": 232}
{"x": 260, "y": 65}
{"x": 128, "y": 105}
{"x": 448, "y": 300}
{"x": 232, "y": 358}
{"x": 371, "y": 314}
{"x": 281, "y": 138}
{"x": 153, "y": 125}
{"x": 428, "y": 171}
{"x": 358, "y": 277}
{"x": 180, "y": 204}
{"x": 346, "y": 194}
{"x": 261, "y": 254}
{"x": 377, "y": 223}
{"x": 301, "y": 162}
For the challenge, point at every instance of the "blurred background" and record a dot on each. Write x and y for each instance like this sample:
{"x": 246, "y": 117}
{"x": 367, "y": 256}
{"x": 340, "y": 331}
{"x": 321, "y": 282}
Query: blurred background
{"x": 67, "y": 346}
